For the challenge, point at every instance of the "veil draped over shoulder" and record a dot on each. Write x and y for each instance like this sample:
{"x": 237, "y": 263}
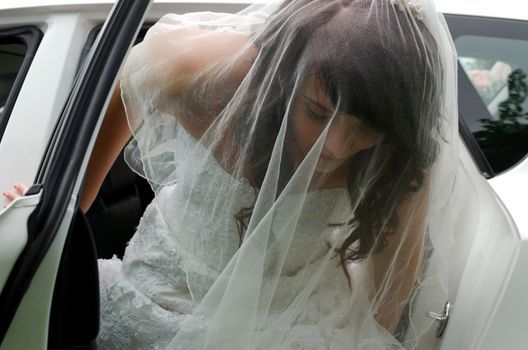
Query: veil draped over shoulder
{"x": 310, "y": 148}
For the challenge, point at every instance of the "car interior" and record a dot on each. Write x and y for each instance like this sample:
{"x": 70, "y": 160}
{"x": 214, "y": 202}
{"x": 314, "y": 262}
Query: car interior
{"x": 11, "y": 56}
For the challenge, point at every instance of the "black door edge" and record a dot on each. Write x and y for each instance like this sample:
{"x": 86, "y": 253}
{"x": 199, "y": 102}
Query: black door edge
{"x": 466, "y": 93}
{"x": 474, "y": 149}
{"x": 83, "y": 110}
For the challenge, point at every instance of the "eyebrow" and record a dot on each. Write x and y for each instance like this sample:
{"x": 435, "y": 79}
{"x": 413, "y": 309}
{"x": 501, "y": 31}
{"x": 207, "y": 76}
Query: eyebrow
{"x": 317, "y": 104}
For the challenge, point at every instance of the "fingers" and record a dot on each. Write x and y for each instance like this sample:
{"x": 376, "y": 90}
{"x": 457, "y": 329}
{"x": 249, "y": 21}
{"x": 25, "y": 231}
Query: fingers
{"x": 20, "y": 190}
{"x": 11, "y": 196}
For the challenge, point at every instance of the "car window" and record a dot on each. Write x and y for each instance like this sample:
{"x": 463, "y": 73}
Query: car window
{"x": 11, "y": 59}
{"x": 17, "y": 49}
{"x": 497, "y": 69}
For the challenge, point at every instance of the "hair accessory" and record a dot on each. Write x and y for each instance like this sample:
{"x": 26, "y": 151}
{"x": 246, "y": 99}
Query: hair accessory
{"x": 413, "y": 7}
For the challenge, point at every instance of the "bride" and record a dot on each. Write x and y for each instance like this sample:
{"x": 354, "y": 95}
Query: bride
{"x": 299, "y": 154}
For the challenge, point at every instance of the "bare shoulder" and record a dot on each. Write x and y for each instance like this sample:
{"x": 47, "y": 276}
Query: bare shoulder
{"x": 181, "y": 62}
{"x": 187, "y": 52}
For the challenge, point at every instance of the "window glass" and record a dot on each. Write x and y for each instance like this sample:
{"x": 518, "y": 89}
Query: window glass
{"x": 11, "y": 58}
{"x": 497, "y": 69}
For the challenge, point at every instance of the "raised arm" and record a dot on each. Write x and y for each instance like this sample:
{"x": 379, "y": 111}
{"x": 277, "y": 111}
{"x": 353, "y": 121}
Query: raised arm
{"x": 112, "y": 137}
{"x": 170, "y": 65}
{"x": 187, "y": 73}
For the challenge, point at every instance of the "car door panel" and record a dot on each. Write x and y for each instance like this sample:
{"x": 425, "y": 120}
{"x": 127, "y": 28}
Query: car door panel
{"x": 472, "y": 195}
{"x": 484, "y": 269}
{"x": 60, "y": 176}
{"x": 489, "y": 307}
{"x": 33, "y": 313}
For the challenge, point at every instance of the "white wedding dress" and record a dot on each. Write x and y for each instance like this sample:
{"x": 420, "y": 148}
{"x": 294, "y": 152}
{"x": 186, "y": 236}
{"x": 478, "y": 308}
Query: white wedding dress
{"x": 165, "y": 272}
{"x": 186, "y": 282}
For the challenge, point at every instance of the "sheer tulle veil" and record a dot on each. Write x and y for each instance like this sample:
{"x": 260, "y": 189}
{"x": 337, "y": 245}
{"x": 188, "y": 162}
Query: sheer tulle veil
{"x": 335, "y": 125}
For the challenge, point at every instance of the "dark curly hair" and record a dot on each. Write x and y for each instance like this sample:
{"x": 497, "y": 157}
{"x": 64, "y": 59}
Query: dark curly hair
{"x": 382, "y": 66}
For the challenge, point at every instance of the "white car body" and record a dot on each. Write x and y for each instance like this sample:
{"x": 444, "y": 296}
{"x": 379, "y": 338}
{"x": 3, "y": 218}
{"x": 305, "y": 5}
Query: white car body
{"x": 489, "y": 284}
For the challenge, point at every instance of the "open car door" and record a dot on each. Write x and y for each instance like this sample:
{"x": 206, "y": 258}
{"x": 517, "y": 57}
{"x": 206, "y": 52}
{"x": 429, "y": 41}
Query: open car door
{"x": 37, "y": 230}
{"x": 488, "y": 286}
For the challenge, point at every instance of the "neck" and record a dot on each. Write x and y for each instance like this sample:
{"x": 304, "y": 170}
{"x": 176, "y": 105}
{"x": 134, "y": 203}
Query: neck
{"x": 336, "y": 178}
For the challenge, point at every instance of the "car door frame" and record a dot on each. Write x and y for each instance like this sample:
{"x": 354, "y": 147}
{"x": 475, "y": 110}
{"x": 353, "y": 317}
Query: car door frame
{"x": 59, "y": 178}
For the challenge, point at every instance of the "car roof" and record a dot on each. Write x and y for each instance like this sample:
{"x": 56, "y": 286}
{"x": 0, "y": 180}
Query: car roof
{"x": 20, "y": 4}
{"x": 514, "y": 9}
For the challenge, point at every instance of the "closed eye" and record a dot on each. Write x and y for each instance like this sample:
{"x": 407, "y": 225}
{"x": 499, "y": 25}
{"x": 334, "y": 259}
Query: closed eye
{"x": 316, "y": 116}
{"x": 315, "y": 110}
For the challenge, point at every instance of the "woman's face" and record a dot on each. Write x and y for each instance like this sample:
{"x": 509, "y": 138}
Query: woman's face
{"x": 347, "y": 134}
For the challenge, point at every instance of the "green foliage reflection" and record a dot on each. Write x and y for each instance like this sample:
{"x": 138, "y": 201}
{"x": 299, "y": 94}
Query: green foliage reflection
{"x": 505, "y": 141}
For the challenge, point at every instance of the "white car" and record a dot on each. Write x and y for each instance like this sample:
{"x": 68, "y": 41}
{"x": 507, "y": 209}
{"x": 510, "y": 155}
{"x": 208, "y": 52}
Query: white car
{"x": 58, "y": 63}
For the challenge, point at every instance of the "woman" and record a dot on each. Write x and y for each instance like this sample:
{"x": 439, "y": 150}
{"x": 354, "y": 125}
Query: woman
{"x": 295, "y": 161}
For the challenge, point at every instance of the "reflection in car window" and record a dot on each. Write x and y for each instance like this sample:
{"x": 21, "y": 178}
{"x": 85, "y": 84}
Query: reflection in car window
{"x": 497, "y": 69}
{"x": 11, "y": 58}
{"x": 488, "y": 77}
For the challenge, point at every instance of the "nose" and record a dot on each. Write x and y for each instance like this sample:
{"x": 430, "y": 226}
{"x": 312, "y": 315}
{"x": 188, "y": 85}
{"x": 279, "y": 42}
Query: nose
{"x": 338, "y": 140}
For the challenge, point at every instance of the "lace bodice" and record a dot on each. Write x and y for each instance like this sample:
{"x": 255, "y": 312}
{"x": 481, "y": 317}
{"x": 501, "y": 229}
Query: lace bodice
{"x": 174, "y": 257}
{"x": 174, "y": 260}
